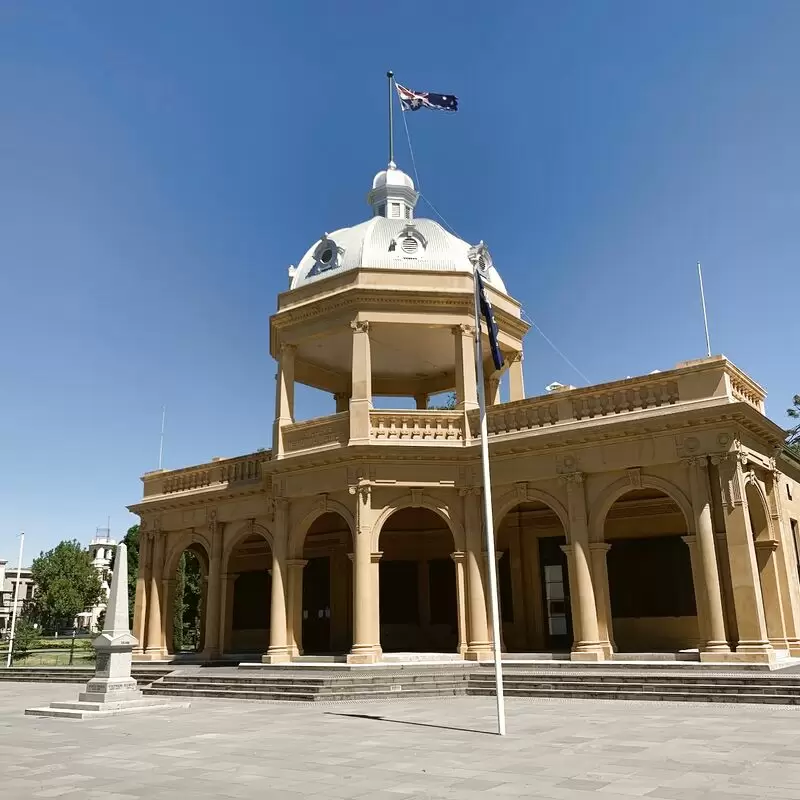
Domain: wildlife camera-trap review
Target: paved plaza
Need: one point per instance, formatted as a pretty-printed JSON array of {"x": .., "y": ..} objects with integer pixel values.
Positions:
[{"x": 401, "y": 749}]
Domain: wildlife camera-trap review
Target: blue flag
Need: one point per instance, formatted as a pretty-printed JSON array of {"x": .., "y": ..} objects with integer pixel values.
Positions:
[
  {"x": 488, "y": 315},
  {"x": 413, "y": 101}
]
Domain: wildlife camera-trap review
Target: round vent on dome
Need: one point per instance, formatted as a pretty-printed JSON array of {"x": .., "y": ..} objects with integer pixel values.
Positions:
[{"x": 409, "y": 245}]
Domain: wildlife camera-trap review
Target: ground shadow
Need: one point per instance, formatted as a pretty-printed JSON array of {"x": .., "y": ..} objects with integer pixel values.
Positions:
[{"x": 376, "y": 718}]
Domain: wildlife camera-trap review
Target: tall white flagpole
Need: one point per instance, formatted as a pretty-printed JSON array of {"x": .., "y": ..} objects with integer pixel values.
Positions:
[
  {"x": 488, "y": 521},
  {"x": 16, "y": 600},
  {"x": 161, "y": 442},
  {"x": 705, "y": 316}
]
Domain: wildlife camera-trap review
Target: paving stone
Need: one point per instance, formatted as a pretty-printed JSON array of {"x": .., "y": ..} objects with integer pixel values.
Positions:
[{"x": 434, "y": 748}]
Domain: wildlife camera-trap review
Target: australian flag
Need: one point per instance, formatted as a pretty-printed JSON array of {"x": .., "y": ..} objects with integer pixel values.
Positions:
[
  {"x": 412, "y": 101},
  {"x": 491, "y": 325}
]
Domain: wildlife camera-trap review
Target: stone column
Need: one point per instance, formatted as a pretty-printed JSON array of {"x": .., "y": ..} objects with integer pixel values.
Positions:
[
  {"x": 516, "y": 383},
  {"x": 466, "y": 380},
  {"x": 342, "y": 400},
  {"x": 366, "y": 588},
  {"x": 787, "y": 562},
  {"x": 295, "y": 568},
  {"x": 167, "y": 613},
  {"x": 227, "y": 591},
  {"x": 498, "y": 554},
  {"x": 153, "y": 648},
  {"x": 700, "y": 594},
  {"x": 461, "y": 600},
  {"x": 278, "y": 640},
  {"x": 492, "y": 388},
  {"x": 587, "y": 645},
  {"x": 203, "y": 609},
  {"x": 602, "y": 595},
  {"x": 361, "y": 398},
  {"x": 140, "y": 607},
  {"x": 421, "y": 401},
  {"x": 747, "y": 600},
  {"x": 767, "y": 560},
  {"x": 284, "y": 396},
  {"x": 479, "y": 645},
  {"x": 214, "y": 601},
  {"x": 707, "y": 587}
]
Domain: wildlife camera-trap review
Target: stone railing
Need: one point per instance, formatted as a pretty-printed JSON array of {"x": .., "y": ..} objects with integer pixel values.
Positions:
[
  {"x": 223, "y": 471},
  {"x": 640, "y": 395},
  {"x": 743, "y": 389},
  {"x": 521, "y": 415},
  {"x": 316, "y": 433},
  {"x": 417, "y": 426}
]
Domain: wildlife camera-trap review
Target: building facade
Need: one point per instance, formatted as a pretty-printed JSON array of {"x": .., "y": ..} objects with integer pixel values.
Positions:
[
  {"x": 101, "y": 550},
  {"x": 8, "y": 582},
  {"x": 655, "y": 513}
]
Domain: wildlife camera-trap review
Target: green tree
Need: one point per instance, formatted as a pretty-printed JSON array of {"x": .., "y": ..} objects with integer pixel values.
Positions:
[
  {"x": 793, "y": 434},
  {"x": 25, "y": 637},
  {"x": 187, "y": 611},
  {"x": 131, "y": 541},
  {"x": 66, "y": 584}
]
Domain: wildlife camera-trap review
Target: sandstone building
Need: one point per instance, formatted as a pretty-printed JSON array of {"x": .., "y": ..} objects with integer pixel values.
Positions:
[{"x": 656, "y": 513}]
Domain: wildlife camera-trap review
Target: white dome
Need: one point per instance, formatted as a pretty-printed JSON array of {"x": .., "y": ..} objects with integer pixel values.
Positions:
[
  {"x": 392, "y": 177},
  {"x": 381, "y": 243}
]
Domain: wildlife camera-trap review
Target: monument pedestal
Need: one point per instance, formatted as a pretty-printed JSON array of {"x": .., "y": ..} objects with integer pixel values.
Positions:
[{"x": 112, "y": 690}]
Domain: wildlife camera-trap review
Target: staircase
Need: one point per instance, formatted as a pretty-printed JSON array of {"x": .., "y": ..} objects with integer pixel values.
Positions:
[
  {"x": 287, "y": 684},
  {"x": 143, "y": 676},
  {"x": 628, "y": 684}
]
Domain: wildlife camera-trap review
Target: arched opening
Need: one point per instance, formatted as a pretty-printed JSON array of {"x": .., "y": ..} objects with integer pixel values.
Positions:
[
  {"x": 766, "y": 551},
  {"x": 327, "y": 596},
  {"x": 653, "y": 606},
  {"x": 533, "y": 580},
  {"x": 248, "y": 594},
  {"x": 187, "y": 602},
  {"x": 417, "y": 583}
]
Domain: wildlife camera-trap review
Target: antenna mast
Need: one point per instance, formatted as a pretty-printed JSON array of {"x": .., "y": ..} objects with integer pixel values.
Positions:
[
  {"x": 705, "y": 316},
  {"x": 161, "y": 443}
]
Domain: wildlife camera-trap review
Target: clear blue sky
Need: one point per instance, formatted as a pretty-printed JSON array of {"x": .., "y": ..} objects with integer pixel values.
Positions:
[{"x": 162, "y": 163}]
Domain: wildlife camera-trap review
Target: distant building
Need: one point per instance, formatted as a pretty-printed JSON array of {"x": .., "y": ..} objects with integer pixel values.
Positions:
[
  {"x": 8, "y": 583},
  {"x": 101, "y": 550}
]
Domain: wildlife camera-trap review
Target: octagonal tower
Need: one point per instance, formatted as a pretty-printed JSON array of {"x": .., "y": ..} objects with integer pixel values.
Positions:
[{"x": 386, "y": 308}]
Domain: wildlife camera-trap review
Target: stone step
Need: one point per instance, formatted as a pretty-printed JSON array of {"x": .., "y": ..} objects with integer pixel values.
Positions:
[
  {"x": 373, "y": 694},
  {"x": 674, "y": 680},
  {"x": 320, "y": 691},
  {"x": 654, "y": 686},
  {"x": 666, "y": 695},
  {"x": 312, "y": 683}
]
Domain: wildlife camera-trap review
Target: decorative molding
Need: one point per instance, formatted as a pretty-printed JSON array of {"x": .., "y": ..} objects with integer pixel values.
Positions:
[
  {"x": 416, "y": 497},
  {"x": 567, "y": 463},
  {"x": 360, "y": 326},
  {"x": 635, "y": 477},
  {"x": 571, "y": 479},
  {"x": 522, "y": 491}
]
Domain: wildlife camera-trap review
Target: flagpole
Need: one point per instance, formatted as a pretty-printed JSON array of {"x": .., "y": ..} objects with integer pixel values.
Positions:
[
  {"x": 161, "y": 440},
  {"x": 390, "y": 78},
  {"x": 705, "y": 316},
  {"x": 16, "y": 601},
  {"x": 488, "y": 521}
]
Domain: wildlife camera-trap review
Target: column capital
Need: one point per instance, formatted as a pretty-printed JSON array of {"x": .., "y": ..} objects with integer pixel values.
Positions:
[
  {"x": 360, "y": 326},
  {"x": 297, "y": 563},
  {"x": 700, "y": 461},
  {"x": 288, "y": 349},
  {"x": 572, "y": 478},
  {"x": 458, "y": 556},
  {"x": 597, "y": 546},
  {"x": 463, "y": 330},
  {"x": 766, "y": 545},
  {"x": 690, "y": 539},
  {"x": 498, "y": 554},
  {"x": 376, "y": 557}
]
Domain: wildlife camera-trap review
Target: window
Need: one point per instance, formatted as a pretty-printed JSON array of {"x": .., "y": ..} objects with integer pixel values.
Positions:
[
  {"x": 395, "y": 208},
  {"x": 789, "y": 490},
  {"x": 382, "y": 210}
]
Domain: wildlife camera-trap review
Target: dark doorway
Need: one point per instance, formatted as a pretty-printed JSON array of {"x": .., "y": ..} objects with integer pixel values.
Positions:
[
  {"x": 317, "y": 605},
  {"x": 557, "y": 612}
]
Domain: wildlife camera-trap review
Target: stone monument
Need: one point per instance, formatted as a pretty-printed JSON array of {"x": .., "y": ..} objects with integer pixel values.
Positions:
[{"x": 112, "y": 690}]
